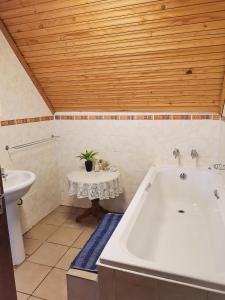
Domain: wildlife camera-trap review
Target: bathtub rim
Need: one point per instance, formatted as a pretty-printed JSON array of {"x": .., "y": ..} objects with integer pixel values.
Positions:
[{"x": 113, "y": 254}]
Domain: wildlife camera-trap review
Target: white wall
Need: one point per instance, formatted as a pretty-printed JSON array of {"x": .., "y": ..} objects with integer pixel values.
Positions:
[
  {"x": 222, "y": 146},
  {"x": 19, "y": 99},
  {"x": 133, "y": 146}
]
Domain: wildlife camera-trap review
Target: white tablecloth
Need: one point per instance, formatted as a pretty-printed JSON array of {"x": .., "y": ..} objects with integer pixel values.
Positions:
[{"x": 93, "y": 185}]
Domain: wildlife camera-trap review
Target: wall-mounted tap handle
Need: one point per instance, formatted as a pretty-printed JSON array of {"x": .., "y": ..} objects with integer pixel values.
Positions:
[
  {"x": 176, "y": 152},
  {"x": 194, "y": 153}
]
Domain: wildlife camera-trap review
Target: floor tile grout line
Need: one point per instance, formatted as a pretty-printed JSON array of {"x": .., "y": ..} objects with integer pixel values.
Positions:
[
  {"x": 45, "y": 265},
  {"x": 46, "y": 241},
  {"x": 55, "y": 224},
  {"x": 40, "y": 222},
  {"x": 24, "y": 294},
  {"x": 63, "y": 256},
  {"x": 29, "y": 255},
  {"x": 49, "y": 242},
  {"x": 73, "y": 241},
  {"x": 39, "y": 264},
  {"x": 60, "y": 226},
  {"x": 36, "y": 297},
  {"x": 48, "y": 236},
  {"x": 51, "y": 268}
]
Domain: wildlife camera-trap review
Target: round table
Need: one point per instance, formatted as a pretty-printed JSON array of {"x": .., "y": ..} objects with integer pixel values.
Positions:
[{"x": 95, "y": 186}]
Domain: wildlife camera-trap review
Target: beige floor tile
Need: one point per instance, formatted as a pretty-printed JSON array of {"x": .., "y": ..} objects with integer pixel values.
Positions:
[
  {"x": 48, "y": 254},
  {"x": 66, "y": 260},
  {"x": 85, "y": 235},
  {"x": 54, "y": 286},
  {"x": 71, "y": 222},
  {"x": 21, "y": 296},
  {"x": 41, "y": 231},
  {"x": 29, "y": 275},
  {"x": 56, "y": 218},
  {"x": 65, "y": 236},
  {"x": 34, "y": 298},
  {"x": 67, "y": 209},
  {"x": 31, "y": 245}
]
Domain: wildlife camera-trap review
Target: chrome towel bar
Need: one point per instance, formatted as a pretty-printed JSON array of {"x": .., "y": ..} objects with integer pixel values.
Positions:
[{"x": 31, "y": 143}]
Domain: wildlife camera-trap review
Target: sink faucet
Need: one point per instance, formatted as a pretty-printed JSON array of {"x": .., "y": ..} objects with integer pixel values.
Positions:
[
  {"x": 176, "y": 153},
  {"x": 194, "y": 154}
]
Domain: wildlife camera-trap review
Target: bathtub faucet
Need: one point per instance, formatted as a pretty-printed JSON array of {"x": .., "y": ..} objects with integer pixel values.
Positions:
[
  {"x": 194, "y": 154},
  {"x": 176, "y": 153}
]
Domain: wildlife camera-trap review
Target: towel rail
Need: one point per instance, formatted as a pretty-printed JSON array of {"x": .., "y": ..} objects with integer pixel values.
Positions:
[{"x": 31, "y": 143}]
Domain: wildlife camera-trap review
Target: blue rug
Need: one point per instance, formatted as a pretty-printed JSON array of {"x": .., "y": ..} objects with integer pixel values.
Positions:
[{"x": 89, "y": 254}]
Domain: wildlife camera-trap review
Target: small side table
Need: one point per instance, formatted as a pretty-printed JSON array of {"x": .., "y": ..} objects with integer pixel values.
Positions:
[{"x": 95, "y": 186}]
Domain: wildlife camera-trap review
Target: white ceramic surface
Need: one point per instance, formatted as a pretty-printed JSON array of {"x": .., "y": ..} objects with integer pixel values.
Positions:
[
  {"x": 16, "y": 185},
  {"x": 174, "y": 229}
]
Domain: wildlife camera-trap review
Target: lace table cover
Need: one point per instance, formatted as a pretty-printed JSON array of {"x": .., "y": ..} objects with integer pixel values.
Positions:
[{"x": 94, "y": 185}]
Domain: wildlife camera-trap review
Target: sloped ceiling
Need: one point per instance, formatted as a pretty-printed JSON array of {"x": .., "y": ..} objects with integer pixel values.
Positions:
[{"x": 123, "y": 55}]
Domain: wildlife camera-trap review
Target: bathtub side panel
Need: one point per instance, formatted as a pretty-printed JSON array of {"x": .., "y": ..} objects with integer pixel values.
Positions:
[{"x": 122, "y": 285}]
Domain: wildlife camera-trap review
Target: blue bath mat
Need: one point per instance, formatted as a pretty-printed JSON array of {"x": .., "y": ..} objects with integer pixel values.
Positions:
[{"x": 89, "y": 254}]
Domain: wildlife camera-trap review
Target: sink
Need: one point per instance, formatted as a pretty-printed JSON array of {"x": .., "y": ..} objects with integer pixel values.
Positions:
[{"x": 16, "y": 184}]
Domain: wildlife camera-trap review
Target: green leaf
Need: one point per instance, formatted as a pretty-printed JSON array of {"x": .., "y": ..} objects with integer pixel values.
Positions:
[{"x": 87, "y": 155}]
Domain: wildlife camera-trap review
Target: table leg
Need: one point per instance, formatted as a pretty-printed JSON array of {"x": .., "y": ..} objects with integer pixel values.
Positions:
[{"x": 95, "y": 210}]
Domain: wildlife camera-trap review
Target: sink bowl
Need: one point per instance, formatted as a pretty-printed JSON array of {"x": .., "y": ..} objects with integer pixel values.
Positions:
[{"x": 16, "y": 184}]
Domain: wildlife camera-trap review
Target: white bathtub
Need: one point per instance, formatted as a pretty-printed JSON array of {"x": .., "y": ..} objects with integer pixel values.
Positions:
[{"x": 174, "y": 229}]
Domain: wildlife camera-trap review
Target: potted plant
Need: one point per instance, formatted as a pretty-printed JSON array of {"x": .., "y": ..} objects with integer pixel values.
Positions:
[{"x": 88, "y": 156}]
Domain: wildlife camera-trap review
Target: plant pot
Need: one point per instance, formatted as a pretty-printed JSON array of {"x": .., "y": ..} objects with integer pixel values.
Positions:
[{"x": 88, "y": 165}]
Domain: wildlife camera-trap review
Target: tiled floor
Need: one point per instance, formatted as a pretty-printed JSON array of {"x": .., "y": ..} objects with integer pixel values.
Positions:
[{"x": 50, "y": 247}]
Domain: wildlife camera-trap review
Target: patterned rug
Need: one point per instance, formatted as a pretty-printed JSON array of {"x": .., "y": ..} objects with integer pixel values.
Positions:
[{"x": 89, "y": 254}]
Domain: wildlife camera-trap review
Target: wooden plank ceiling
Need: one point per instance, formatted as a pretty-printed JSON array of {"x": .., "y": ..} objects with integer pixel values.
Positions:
[{"x": 123, "y": 55}]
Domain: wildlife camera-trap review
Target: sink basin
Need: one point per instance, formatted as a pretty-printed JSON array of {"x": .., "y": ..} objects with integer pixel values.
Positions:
[{"x": 16, "y": 184}]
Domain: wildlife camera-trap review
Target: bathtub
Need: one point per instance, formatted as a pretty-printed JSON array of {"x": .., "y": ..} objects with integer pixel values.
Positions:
[{"x": 174, "y": 229}]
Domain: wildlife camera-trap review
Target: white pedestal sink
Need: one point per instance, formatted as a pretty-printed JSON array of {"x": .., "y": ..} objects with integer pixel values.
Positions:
[{"x": 16, "y": 184}]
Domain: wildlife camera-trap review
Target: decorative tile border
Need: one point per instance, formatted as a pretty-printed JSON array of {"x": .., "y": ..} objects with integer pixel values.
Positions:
[
  {"x": 26, "y": 120},
  {"x": 151, "y": 117},
  {"x": 141, "y": 117}
]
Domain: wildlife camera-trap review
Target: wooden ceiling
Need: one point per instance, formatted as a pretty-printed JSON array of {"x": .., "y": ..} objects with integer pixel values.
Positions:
[{"x": 123, "y": 55}]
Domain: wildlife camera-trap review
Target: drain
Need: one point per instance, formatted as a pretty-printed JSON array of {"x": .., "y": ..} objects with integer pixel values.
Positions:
[{"x": 181, "y": 211}]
